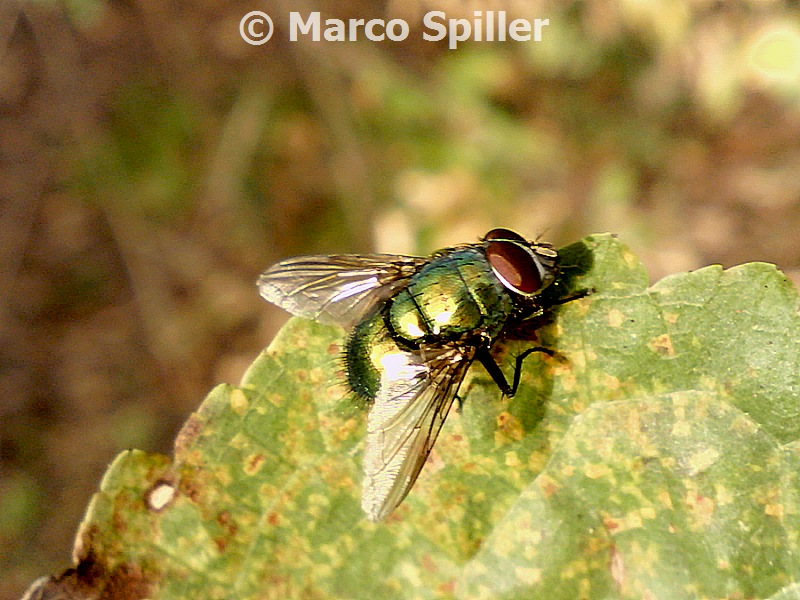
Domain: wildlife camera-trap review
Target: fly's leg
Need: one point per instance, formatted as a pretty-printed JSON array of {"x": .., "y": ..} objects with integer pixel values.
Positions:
[
  {"x": 491, "y": 366},
  {"x": 518, "y": 364},
  {"x": 527, "y": 328},
  {"x": 573, "y": 296}
]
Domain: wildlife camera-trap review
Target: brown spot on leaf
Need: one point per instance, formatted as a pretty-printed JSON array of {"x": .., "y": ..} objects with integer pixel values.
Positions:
[
  {"x": 227, "y": 522},
  {"x": 611, "y": 524},
  {"x": 221, "y": 543},
  {"x": 253, "y": 463},
  {"x": 448, "y": 588},
  {"x": 190, "y": 488},
  {"x": 119, "y": 520},
  {"x": 91, "y": 579},
  {"x": 662, "y": 345},
  {"x": 509, "y": 428},
  {"x": 188, "y": 433},
  {"x": 428, "y": 564}
]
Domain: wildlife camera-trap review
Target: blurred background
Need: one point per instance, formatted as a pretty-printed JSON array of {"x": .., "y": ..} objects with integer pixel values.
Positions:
[{"x": 152, "y": 164}]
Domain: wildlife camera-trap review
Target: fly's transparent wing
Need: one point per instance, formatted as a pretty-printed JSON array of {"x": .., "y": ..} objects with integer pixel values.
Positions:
[
  {"x": 336, "y": 289},
  {"x": 415, "y": 396}
]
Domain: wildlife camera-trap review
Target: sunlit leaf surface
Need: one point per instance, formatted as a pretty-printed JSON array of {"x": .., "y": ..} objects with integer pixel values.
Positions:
[{"x": 654, "y": 456}]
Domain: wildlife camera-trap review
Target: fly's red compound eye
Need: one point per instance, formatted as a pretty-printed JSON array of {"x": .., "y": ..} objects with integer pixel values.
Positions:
[
  {"x": 523, "y": 267},
  {"x": 515, "y": 265},
  {"x": 503, "y": 234}
]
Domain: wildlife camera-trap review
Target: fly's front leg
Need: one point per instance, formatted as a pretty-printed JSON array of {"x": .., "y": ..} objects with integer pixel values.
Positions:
[
  {"x": 527, "y": 328},
  {"x": 491, "y": 366},
  {"x": 573, "y": 296}
]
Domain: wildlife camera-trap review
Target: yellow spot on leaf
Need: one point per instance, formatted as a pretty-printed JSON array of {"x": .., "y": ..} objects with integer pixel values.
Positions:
[
  {"x": 528, "y": 575},
  {"x": 537, "y": 461},
  {"x": 239, "y": 402},
  {"x": 668, "y": 462},
  {"x": 700, "y": 461},
  {"x": 630, "y": 258},
  {"x": 648, "y": 512},
  {"x": 615, "y": 317},
  {"x": 547, "y": 484},
  {"x": 595, "y": 471},
  {"x": 723, "y": 494},
  {"x": 774, "y": 510},
  {"x": 681, "y": 429},
  {"x": 702, "y": 507},
  {"x": 611, "y": 382},
  {"x": 512, "y": 460},
  {"x": 743, "y": 425},
  {"x": 630, "y": 521}
]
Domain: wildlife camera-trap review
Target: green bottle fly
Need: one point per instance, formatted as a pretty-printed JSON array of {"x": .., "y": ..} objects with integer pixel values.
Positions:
[{"x": 417, "y": 324}]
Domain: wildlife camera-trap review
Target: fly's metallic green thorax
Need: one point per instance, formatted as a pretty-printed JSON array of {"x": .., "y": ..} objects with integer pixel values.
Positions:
[
  {"x": 417, "y": 324},
  {"x": 453, "y": 297}
]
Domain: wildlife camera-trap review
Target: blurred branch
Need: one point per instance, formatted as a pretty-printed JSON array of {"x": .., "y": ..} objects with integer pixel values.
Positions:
[
  {"x": 324, "y": 73},
  {"x": 241, "y": 134},
  {"x": 10, "y": 13}
]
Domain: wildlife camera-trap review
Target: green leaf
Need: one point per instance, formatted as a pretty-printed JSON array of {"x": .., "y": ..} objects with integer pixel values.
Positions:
[{"x": 656, "y": 455}]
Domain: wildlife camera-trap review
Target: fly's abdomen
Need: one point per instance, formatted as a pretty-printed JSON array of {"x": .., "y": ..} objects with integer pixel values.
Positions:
[
  {"x": 365, "y": 354},
  {"x": 455, "y": 296}
]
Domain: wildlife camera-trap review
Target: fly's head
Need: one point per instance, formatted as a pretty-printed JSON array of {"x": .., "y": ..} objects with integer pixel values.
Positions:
[{"x": 525, "y": 268}]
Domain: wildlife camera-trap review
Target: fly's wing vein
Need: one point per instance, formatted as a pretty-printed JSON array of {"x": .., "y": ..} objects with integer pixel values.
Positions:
[
  {"x": 336, "y": 289},
  {"x": 404, "y": 422}
]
